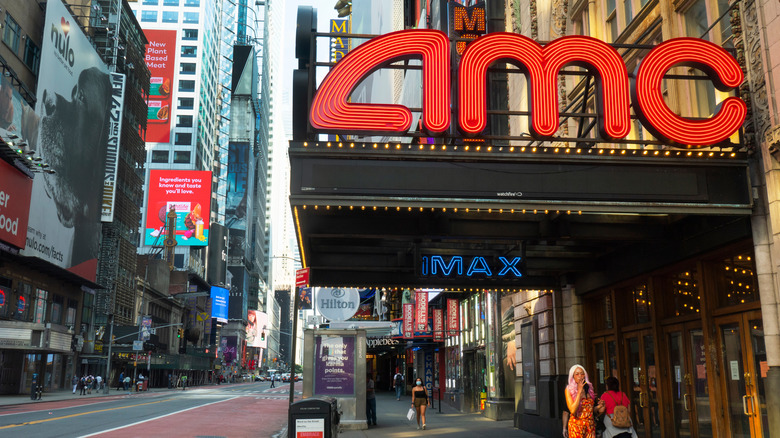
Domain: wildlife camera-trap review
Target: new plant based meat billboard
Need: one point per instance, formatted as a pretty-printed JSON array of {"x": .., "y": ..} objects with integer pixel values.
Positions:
[
  {"x": 15, "y": 189},
  {"x": 188, "y": 192},
  {"x": 160, "y": 59},
  {"x": 73, "y": 104}
]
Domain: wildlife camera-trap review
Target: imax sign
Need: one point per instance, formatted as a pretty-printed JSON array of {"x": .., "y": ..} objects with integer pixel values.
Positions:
[{"x": 470, "y": 267}]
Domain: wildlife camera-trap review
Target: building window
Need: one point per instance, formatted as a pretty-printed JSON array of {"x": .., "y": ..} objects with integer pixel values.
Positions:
[
  {"x": 190, "y": 34},
  {"x": 86, "y": 310},
  {"x": 5, "y": 296},
  {"x": 184, "y": 121},
  {"x": 187, "y": 68},
  {"x": 41, "y": 298},
  {"x": 57, "y": 304},
  {"x": 183, "y": 138},
  {"x": 160, "y": 156},
  {"x": 192, "y": 3},
  {"x": 628, "y": 11},
  {"x": 32, "y": 56},
  {"x": 170, "y": 17},
  {"x": 12, "y": 33},
  {"x": 191, "y": 17},
  {"x": 736, "y": 280},
  {"x": 24, "y": 301},
  {"x": 150, "y": 2},
  {"x": 189, "y": 51},
  {"x": 182, "y": 157},
  {"x": 612, "y": 24},
  {"x": 70, "y": 316},
  {"x": 186, "y": 85},
  {"x": 186, "y": 103},
  {"x": 680, "y": 293},
  {"x": 170, "y": 2},
  {"x": 149, "y": 16},
  {"x": 640, "y": 303}
]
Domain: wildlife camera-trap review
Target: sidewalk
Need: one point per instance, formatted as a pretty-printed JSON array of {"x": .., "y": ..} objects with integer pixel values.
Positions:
[
  {"x": 391, "y": 422},
  {"x": 67, "y": 394}
]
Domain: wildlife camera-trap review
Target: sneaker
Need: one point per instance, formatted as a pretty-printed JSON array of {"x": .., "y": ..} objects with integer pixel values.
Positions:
[
  {"x": 418, "y": 427},
  {"x": 423, "y": 427}
]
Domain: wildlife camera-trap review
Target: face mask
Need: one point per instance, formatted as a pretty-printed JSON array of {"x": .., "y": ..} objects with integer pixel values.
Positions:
[{"x": 419, "y": 383}]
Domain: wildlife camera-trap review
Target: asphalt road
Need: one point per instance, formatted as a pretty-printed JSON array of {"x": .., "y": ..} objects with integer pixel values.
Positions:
[{"x": 250, "y": 410}]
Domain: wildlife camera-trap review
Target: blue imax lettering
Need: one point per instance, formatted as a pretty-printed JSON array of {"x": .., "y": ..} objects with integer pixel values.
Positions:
[{"x": 436, "y": 265}]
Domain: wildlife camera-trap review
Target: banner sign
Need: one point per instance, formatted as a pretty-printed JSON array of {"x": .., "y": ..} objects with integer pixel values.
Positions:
[
  {"x": 146, "y": 328},
  {"x": 305, "y": 298},
  {"x": 256, "y": 329},
  {"x": 339, "y": 46},
  {"x": 452, "y": 317},
  {"x": 161, "y": 60},
  {"x": 15, "y": 190},
  {"x": 219, "y": 303},
  {"x": 302, "y": 277},
  {"x": 112, "y": 152},
  {"x": 334, "y": 365},
  {"x": 438, "y": 324},
  {"x": 408, "y": 326},
  {"x": 421, "y": 305}
]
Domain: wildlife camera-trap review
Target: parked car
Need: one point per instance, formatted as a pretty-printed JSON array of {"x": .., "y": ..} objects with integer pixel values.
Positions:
[{"x": 259, "y": 378}]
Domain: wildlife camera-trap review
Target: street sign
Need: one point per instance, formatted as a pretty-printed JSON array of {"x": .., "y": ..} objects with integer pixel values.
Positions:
[
  {"x": 138, "y": 345},
  {"x": 302, "y": 277}
]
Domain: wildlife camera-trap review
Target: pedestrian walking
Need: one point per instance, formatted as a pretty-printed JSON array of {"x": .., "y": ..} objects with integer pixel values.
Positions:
[
  {"x": 83, "y": 385},
  {"x": 420, "y": 402},
  {"x": 126, "y": 382},
  {"x": 75, "y": 382},
  {"x": 618, "y": 408},
  {"x": 273, "y": 380},
  {"x": 99, "y": 382},
  {"x": 581, "y": 401},
  {"x": 370, "y": 400},
  {"x": 398, "y": 383},
  {"x": 90, "y": 381},
  {"x": 184, "y": 383},
  {"x": 170, "y": 380},
  {"x": 121, "y": 381}
]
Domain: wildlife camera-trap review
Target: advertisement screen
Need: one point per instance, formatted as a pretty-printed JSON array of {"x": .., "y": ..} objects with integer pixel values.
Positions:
[
  {"x": 160, "y": 59},
  {"x": 219, "y": 303},
  {"x": 114, "y": 139},
  {"x": 73, "y": 108},
  {"x": 256, "y": 329},
  {"x": 334, "y": 366},
  {"x": 188, "y": 192},
  {"x": 15, "y": 190}
]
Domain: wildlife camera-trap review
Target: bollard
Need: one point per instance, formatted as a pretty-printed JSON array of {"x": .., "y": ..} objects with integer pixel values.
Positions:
[{"x": 439, "y": 390}]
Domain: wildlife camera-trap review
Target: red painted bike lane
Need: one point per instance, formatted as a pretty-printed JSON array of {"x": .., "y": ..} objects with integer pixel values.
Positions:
[{"x": 244, "y": 416}]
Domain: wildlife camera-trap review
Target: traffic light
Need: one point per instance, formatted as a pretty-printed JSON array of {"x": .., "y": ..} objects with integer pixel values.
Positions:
[
  {"x": 262, "y": 335},
  {"x": 180, "y": 332}
]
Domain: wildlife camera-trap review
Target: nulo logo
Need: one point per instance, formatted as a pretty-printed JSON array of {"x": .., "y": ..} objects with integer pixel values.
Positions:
[
  {"x": 61, "y": 41},
  {"x": 332, "y": 112}
]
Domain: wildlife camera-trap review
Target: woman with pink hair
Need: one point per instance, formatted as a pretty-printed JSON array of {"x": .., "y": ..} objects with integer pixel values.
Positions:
[{"x": 581, "y": 401}]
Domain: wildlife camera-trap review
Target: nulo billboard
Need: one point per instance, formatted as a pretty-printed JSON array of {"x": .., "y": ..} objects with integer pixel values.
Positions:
[{"x": 331, "y": 110}]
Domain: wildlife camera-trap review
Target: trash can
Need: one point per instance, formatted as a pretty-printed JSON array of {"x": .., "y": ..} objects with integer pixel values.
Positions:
[
  {"x": 142, "y": 385},
  {"x": 315, "y": 416}
]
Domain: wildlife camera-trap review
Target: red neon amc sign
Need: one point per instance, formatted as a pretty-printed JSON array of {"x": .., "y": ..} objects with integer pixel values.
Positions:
[{"x": 332, "y": 112}]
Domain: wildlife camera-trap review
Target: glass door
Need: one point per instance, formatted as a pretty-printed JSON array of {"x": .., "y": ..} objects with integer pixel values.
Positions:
[
  {"x": 743, "y": 361},
  {"x": 688, "y": 380},
  {"x": 605, "y": 365},
  {"x": 641, "y": 383}
]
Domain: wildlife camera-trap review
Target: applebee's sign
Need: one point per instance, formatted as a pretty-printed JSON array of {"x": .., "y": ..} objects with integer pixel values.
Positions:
[{"x": 331, "y": 110}]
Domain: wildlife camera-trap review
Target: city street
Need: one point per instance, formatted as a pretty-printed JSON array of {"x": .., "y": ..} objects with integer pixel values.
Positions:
[{"x": 224, "y": 410}]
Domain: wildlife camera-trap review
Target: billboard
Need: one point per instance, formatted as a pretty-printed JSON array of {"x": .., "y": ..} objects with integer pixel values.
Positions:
[
  {"x": 334, "y": 365},
  {"x": 217, "y": 258},
  {"x": 161, "y": 60},
  {"x": 219, "y": 303},
  {"x": 73, "y": 106},
  {"x": 188, "y": 192},
  {"x": 15, "y": 190},
  {"x": 114, "y": 138},
  {"x": 256, "y": 329}
]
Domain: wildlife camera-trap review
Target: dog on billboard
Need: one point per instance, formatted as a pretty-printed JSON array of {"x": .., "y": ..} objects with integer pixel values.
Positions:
[{"x": 73, "y": 140}]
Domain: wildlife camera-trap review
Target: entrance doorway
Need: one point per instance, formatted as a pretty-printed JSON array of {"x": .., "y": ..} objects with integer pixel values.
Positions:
[
  {"x": 688, "y": 381},
  {"x": 641, "y": 383},
  {"x": 474, "y": 379},
  {"x": 743, "y": 363}
]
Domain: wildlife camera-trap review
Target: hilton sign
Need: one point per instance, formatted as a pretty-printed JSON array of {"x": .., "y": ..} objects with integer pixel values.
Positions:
[{"x": 331, "y": 110}]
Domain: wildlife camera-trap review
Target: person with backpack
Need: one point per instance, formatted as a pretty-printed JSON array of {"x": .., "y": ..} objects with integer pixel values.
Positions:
[
  {"x": 398, "y": 384},
  {"x": 618, "y": 413}
]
